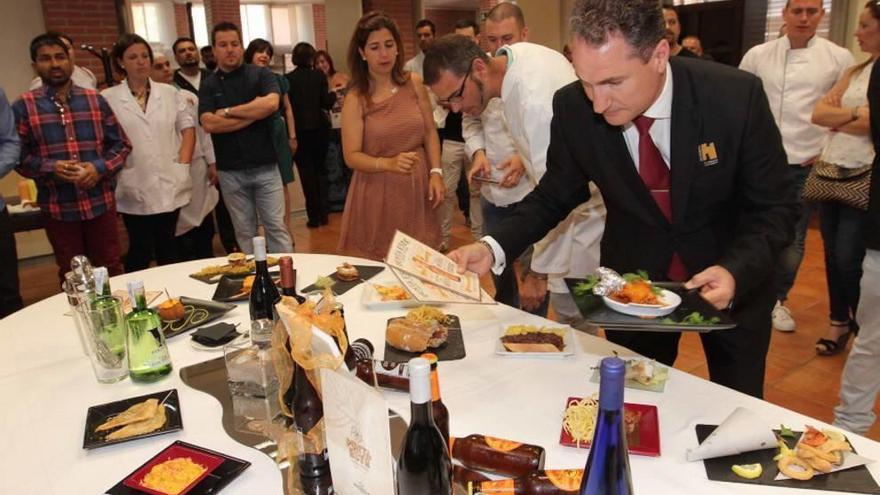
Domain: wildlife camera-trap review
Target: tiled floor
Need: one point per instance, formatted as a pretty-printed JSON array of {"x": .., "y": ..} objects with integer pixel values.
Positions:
[{"x": 796, "y": 377}]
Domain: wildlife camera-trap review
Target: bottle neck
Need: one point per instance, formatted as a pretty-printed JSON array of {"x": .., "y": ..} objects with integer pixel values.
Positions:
[
  {"x": 105, "y": 290},
  {"x": 435, "y": 384},
  {"x": 421, "y": 414}
]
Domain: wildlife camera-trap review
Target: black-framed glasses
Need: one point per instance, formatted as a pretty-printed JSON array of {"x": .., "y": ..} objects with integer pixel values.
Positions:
[{"x": 456, "y": 97}]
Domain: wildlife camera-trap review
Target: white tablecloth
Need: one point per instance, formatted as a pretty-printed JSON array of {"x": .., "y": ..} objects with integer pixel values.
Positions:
[{"x": 46, "y": 385}]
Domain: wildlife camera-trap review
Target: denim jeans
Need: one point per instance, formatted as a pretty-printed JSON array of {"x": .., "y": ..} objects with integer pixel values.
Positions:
[
  {"x": 252, "y": 194},
  {"x": 860, "y": 381},
  {"x": 790, "y": 258},
  {"x": 842, "y": 228},
  {"x": 506, "y": 285}
]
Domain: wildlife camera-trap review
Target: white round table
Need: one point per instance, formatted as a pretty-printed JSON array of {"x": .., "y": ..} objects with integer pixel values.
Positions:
[{"x": 46, "y": 385}]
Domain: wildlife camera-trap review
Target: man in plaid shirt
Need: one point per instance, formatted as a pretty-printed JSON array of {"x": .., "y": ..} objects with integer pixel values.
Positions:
[{"x": 72, "y": 146}]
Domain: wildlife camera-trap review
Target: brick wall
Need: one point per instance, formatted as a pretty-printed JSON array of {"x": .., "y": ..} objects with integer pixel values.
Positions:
[
  {"x": 89, "y": 22},
  {"x": 320, "y": 22},
  {"x": 217, "y": 11},
  {"x": 181, "y": 20},
  {"x": 445, "y": 19},
  {"x": 401, "y": 12}
]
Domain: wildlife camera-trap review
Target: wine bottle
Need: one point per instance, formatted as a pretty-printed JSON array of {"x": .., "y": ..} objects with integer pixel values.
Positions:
[
  {"x": 288, "y": 279},
  {"x": 424, "y": 467},
  {"x": 553, "y": 482},
  {"x": 607, "y": 469},
  {"x": 497, "y": 455},
  {"x": 113, "y": 328},
  {"x": 148, "y": 358},
  {"x": 441, "y": 413},
  {"x": 308, "y": 411},
  {"x": 264, "y": 294}
]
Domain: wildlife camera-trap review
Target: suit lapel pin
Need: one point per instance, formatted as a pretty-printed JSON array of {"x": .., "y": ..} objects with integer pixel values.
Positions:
[{"x": 708, "y": 154}]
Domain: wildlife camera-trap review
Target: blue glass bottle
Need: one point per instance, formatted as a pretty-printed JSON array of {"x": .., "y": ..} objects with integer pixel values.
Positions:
[{"x": 607, "y": 471}]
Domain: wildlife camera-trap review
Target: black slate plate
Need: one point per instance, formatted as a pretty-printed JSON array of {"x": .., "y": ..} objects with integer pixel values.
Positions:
[
  {"x": 855, "y": 480},
  {"x": 229, "y": 288},
  {"x": 450, "y": 351},
  {"x": 213, "y": 483},
  {"x": 342, "y": 286},
  {"x": 97, "y": 415},
  {"x": 215, "y": 310},
  {"x": 594, "y": 310}
]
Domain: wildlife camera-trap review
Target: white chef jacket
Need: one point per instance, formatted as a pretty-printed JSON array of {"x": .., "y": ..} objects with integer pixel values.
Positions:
[
  {"x": 81, "y": 77},
  {"x": 416, "y": 65},
  {"x": 204, "y": 196},
  {"x": 794, "y": 80},
  {"x": 152, "y": 181},
  {"x": 534, "y": 74}
]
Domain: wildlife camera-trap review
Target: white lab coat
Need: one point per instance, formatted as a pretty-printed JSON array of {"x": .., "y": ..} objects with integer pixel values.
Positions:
[
  {"x": 152, "y": 181},
  {"x": 204, "y": 196}
]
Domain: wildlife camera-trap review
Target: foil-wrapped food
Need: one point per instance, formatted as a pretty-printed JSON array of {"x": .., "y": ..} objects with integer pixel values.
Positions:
[{"x": 609, "y": 282}]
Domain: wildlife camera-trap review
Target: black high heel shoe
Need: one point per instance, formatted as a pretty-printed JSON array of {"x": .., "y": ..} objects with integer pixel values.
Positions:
[{"x": 828, "y": 347}]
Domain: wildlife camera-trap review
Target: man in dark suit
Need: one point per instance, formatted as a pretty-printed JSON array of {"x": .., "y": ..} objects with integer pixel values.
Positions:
[
  {"x": 310, "y": 99},
  {"x": 692, "y": 169}
]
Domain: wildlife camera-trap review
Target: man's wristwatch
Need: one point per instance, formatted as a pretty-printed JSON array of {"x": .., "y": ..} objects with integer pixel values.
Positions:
[
  {"x": 854, "y": 116},
  {"x": 438, "y": 171},
  {"x": 226, "y": 112}
]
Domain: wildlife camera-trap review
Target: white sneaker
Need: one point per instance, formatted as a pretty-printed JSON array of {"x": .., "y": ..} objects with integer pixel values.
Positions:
[{"x": 782, "y": 319}]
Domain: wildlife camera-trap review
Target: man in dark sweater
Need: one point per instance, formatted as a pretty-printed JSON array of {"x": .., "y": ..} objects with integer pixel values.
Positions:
[
  {"x": 860, "y": 381},
  {"x": 236, "y": 103}
]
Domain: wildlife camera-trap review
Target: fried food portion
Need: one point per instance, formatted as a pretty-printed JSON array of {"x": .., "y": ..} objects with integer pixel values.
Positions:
[
  {"x": 391, "y": 292},
  {"x": 173, "y": 475},
  {"x": 636, "y": 292},
  {"x": 138, "y": 412},
  {"x": 148, "y": 425}
]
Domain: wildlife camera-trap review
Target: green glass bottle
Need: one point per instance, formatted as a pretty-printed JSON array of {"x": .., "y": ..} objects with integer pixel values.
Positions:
[
  {"x": 113, "y": 328},
  {"x": 148, "y": 358}
]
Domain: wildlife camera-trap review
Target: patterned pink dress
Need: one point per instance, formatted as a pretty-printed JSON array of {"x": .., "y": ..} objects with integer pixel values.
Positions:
[{"x": 380, "y": 203}]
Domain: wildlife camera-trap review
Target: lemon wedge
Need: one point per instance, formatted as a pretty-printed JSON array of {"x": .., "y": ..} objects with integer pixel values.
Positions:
[{"x": 747, "y": 471}]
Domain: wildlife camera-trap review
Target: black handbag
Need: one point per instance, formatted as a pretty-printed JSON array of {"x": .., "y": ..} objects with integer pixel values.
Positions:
[{"x": 828, "y": 182}]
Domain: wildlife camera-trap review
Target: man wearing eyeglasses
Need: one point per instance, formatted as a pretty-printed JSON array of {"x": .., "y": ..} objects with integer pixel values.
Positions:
[
  {"x": 796, "y": 70},
  {"x": 73, "y": 147}
]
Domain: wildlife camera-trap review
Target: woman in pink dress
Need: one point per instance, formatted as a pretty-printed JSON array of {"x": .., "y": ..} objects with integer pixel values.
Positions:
[{"x": 390, "y": 141}]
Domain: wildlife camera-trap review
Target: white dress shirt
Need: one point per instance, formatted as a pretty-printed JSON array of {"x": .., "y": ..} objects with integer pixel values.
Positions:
[
  {"x": 661, "y": 129},
  {"x": 204, "y": 196},
  {"x": 416, "y": 65},
  {"x": 81, "y": 77},
  {"x": 794, "y": 80},
  {"x": 489, "y": 132},
  {"x": 152, "y": 181}
]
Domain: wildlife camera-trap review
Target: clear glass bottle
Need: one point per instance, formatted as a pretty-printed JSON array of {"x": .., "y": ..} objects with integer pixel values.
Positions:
[
  {"x": 114, "y": 333},
  {"x": 148, "y": 357}
]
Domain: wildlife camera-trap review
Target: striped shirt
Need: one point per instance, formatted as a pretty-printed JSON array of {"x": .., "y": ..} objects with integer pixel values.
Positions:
[{"x": 82, "y": 129}]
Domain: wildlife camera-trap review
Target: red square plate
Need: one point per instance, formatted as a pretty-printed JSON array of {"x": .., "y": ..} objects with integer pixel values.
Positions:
[
  {"x": 211, "y": 462},
  {"x": 645, "y": 440}
]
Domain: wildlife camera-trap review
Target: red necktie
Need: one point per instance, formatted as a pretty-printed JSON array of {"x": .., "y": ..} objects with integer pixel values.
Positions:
[{"x": 655, "y": 175}]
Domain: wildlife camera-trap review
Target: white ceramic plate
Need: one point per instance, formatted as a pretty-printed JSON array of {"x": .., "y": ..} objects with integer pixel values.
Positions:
[
  {"x": 568, "y": 339},
  {"x": 671, "y": 301},
  {"x": 371, "y": 298}
]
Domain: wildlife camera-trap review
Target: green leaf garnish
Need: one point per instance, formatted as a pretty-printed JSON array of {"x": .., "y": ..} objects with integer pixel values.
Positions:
[
  {"x": 586, "y": 287},
  {"x": 785, "y": 431}
]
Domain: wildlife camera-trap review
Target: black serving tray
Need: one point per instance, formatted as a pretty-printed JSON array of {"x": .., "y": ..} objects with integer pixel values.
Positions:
[
  {"x": 213, "y": 483},
  {"x": 97, "y": 415},
  {"x": 594, "y": 310},
  {"x": 229, "y": 288},
  {"x": 450, "y": 351},
  {"x": 855, "y": 480},
  {"x": 215, "y": 310},
  {"x": 343, "y": 286}
]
